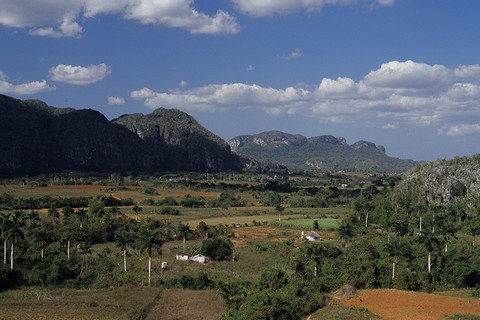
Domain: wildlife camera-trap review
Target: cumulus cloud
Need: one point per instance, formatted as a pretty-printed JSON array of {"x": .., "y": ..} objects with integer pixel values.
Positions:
[
  {"x": 395, "y": 93},
  {"x": 262, "y": 8},
  {"x": 68, "y": 29},
  {"x": 58, "y": 19},
  {"x": 115, "y": 101},
  {"x": 79, "y": 75},
  {"x": 25, "y": 88},
  {"x": 460, "y": 130}
]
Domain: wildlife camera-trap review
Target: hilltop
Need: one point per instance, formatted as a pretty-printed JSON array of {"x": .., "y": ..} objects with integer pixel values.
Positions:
[{"x": 325, "y": 152}]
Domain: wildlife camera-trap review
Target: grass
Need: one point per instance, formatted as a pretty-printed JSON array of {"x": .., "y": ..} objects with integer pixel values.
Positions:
[
  {"x": 325, "y": 223},
  {"x": 336, "y": 311},
  {"x": 113, "y": 303},
  {"x": 41, "y": 303}
]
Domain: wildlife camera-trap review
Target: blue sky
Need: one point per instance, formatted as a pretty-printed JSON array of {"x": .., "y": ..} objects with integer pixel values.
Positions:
[{"x": 404, "y": 74}]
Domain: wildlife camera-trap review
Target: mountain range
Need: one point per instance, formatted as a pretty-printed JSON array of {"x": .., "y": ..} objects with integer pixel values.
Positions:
[
  {"x": 327, "y": 153},
  {"x": 36, "y": 139}
]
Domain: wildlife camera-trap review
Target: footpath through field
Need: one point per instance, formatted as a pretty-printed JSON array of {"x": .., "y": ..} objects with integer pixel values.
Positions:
[{"x": 406, "y": 305}]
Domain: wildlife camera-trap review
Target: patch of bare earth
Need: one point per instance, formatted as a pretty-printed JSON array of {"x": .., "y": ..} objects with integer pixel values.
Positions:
[
  {"x": 180, "y": 304},
  {"x": 406, "y": 305}
]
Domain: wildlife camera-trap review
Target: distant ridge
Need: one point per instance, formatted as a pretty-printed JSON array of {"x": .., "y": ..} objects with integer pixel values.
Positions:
[
  {"x": 36, "y": 138},
  {"x": 325, "y": 152}
]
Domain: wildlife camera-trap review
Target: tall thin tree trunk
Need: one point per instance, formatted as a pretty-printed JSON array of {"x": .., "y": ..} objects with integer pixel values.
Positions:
[
  {"x": 11, "y": 257},
  {"x": 429, "y": 262},
  {"x": 149, "y": 269},
  {"x": 446, "y": 246},
  {"x": 393, "y": 270},
  {"x": 420, "y": 225},
  {"x": 183, "y": 245},
  {"x": 68, "y": 249},
  {"x": 366, "y": 220},
  {"x": 41, "y": 253},
  {"x": 125, "y": 260},
  {"x": 5, "y": 251},
  {"x": 316, "y": 270}
]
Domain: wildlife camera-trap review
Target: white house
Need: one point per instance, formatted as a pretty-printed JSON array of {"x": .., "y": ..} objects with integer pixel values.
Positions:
[
  {"x": 200, "y": 258},
  {"x": 182, "y": 257},
  {"x": 310, "y": 236}
]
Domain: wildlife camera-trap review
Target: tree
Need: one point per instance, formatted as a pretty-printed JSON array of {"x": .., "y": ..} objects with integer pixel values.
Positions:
[
  {"x": 184, "y": 231},
  {"x": 446, "y": 229},
  {"x": 82, "y": 216},
  {"x": 319, "y": 251},
  {"x": 4, "y": 227},
  {"x": 14, "y": 231},
  {"x": 346, "y": 232},
  {"x": 53, "y": 213},
  {"x": 217, "y": 248},
  {"x": 43, "y": 235},
  {"x": 394, "y": 250},
  {"x": 474, "y": 228},
  {"x": 84, "y": 250},
  {"x": 123, "y": 239},
  {"x": 429, "y": 241},
  {"x": 149, "y": 239},
  {"x": 315, "y": 226},
  {"x": 137, "y": 209}
]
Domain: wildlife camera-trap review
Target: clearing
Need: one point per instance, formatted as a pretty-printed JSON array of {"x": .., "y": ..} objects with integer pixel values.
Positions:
[{"x": 406, "y": 305}]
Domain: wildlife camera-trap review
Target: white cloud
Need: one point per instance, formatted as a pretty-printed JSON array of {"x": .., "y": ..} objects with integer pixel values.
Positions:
[
  {"x": 250, "y": 68},
  {"x": 25, "y": 88},
  {"x": 68, "y": 29},
  {"x": 295, "y": 54},
  {"x": 262, "y": 8},
  {"x": 79, "y": 75},
  {"x": 460, "y": 130},
  {"x": 115, "y": 101},
  {"x": 394, "y": 94},
  {"x": 183, "y": 83},
  {"x": 54, "y": 18}
]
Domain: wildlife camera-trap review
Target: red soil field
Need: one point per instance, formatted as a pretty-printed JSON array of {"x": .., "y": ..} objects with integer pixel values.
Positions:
[{"x": 406, "y": 305}]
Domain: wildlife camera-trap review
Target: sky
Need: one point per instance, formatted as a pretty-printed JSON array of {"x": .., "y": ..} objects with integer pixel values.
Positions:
[{"x": 404, "y": 74}]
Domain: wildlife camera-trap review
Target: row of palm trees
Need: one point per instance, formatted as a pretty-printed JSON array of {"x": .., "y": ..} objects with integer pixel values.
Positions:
[{"x": 145, "y": 236}]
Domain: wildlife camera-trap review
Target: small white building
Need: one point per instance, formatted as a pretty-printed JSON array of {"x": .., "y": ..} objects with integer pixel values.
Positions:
[
  {"x": 182, "y": 257},
  {"x": 310, "y": 236},
  {"x": 200, "y": 258}
]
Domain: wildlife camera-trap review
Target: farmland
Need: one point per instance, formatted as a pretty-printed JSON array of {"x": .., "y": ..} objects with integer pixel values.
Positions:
[{"x": 93, "y": 257}]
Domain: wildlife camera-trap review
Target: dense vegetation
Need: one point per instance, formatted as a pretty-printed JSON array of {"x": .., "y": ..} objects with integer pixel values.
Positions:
[{"x": 415, "y": 232}]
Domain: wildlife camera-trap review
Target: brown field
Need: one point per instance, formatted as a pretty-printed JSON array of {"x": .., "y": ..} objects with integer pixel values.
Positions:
[
  {"x": 405, "y": 305},
  {"x": 115, "y": 303},
  {"x": 178, "y": 304}
]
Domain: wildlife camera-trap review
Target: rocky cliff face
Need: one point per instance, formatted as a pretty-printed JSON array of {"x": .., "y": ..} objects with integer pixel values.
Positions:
[
  {"x": 36, "y": 138},
  {"x": 442, "y": 181},
  {"x": 323, "y": 152}
]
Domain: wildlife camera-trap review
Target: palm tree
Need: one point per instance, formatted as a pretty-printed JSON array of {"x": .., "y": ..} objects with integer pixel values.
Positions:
[
  {"x": 4, "y": 227},
  {"x": 43, "y": 235},
  {"x": 393, "y": 249},
  {"x": 14, "y": 232},
  {"x": 430, "y": 241},
  {"x": 346, "y": 232},
  {"x": 315, "y": 252},
  {"x": 474, "y": 228},
  {"x": 123, "y": 239},
  {"x": 183, "y": 231},
  {"x": 82, "y": 216},
  {"x": 149, "y": 239},
  {"x": 84, "y": 250},
  {"x": 446, "y": 229}
]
